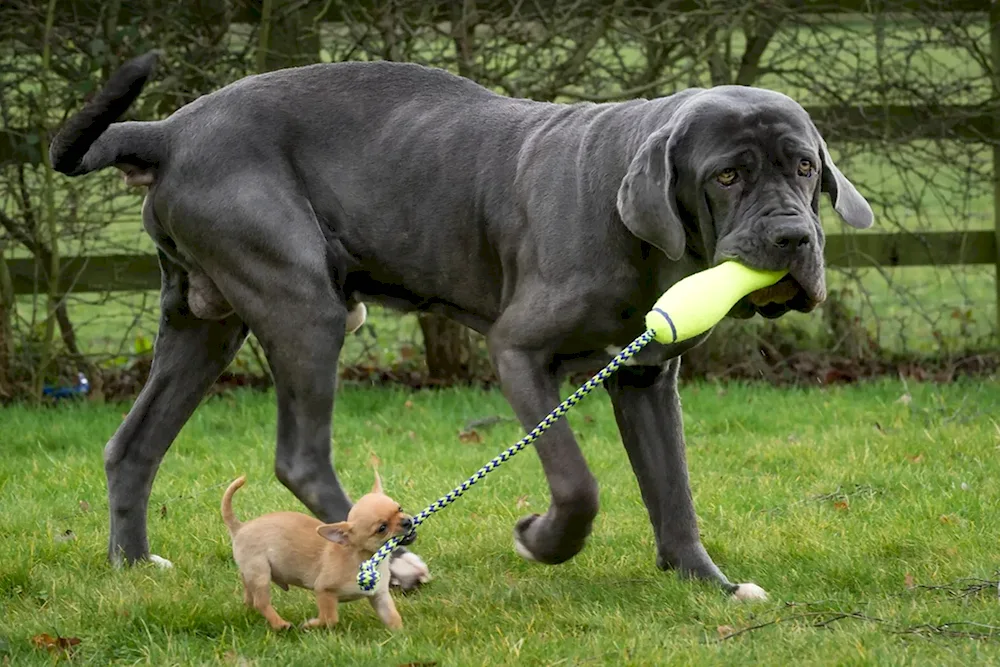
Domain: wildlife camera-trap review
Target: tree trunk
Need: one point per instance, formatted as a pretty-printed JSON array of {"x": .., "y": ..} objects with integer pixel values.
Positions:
[
  {"x": 291, "y": 36},
  {"x": 6, "y": 331},
  {"x": 447, "y": 348}
]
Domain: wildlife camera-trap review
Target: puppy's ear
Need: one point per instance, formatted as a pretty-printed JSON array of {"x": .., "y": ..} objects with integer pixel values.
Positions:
[
  {"x": 338, "y": 533},
  {"x": 377, "y": 487},
  {"x": 847, "y": 201},
  {"x": 647, "y": 201}
]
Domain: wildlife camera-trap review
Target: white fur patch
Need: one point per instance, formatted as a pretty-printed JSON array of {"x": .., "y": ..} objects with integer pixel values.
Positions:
[
  {"x": 523, "y": 551},
  {"x": 160, "y": 561},
  {"x": 749, "y": 592},
  {"x": 357, "y": 317},
  {"x": 408, "y": 569}
]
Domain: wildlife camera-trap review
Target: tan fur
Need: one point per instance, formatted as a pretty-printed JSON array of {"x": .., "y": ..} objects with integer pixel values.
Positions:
[{"x": 294, "y": 549}]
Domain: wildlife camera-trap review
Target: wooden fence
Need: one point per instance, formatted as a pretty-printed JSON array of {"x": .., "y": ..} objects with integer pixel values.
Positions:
[{"x": 974, "y": 125}]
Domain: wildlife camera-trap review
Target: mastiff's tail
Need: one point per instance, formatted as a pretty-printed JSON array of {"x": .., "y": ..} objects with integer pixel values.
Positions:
[{"x": 91, "y": 140}]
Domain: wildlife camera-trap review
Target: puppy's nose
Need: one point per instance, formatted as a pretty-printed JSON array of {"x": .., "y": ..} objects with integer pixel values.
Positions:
[{"x": 406, "y": 523}]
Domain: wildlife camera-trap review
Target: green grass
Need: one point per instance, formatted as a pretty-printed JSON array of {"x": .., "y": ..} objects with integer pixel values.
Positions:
[{"x": 920, "y": 502}]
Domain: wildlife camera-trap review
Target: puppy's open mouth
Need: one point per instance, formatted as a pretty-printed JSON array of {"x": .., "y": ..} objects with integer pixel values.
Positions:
[
  {"x": 409, "y": 538},
  {"x": 785, "y": 295}
]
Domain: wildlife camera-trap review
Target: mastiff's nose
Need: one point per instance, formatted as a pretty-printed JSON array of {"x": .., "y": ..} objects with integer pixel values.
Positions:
[{"x": 790, "y": 237}]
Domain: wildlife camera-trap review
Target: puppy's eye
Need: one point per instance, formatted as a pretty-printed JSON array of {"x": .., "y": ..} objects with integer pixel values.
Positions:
[
  {"x": 727, "y": 176},
  {"x": 382, "y": 528},
  {"x": 806, "y": 168}
]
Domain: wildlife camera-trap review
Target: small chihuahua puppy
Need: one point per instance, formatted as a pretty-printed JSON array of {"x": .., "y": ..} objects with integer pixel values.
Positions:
[{"x": 294, "y": 549}]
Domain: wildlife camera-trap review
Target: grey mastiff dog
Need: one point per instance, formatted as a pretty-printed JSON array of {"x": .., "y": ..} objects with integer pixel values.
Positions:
[{"x": 280, "y": 203}]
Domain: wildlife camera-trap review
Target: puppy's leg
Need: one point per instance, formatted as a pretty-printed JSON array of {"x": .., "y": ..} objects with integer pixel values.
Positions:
[
  {"x": 188, "y": 356},
  {"x": 386, "y": 609},
  {"x": 257, "y": 579},
  {"x": 327, "y": 604},
  {"x": 648, "y": 410},
  {"x": 247, "y": 593},
  {"x": 532, "y": 391}
]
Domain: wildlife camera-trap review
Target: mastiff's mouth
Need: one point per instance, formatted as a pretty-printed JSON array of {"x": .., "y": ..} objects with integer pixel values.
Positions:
[{"x": 787, "y": 294}]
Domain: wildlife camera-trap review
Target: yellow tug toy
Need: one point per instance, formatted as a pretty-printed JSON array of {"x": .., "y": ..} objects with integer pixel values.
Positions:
[{"x": 699, "y": 302}]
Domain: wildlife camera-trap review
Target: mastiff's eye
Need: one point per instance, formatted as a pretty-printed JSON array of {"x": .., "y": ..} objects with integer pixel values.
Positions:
[
  {"x": 727, "y": 176},
  {"x": 806, "y": 168}
]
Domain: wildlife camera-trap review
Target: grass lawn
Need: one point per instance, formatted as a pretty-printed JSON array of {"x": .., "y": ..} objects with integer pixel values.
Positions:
[{"x": 837, "y": 501}]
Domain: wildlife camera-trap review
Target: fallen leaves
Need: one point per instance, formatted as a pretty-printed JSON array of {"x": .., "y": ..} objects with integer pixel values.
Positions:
[
  {"x": 84, "y": 506},
  {"x": 909, "y": 581},
  {"x": 471, "y": 436},
  {"x": 842, "y": 505},
  {"x": 522, "y": 502},
  {"x": 725, "y": 631},
  {"x": 915, "y": 458},
  {"x": 55, "y": 644}
]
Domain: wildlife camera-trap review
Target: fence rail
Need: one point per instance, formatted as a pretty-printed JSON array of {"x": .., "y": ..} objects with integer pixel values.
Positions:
[{"x": 138, "y": 272}]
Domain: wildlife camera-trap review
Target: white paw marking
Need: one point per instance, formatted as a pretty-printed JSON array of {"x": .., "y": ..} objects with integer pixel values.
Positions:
[
  {"x": 523, "y": 551},
  {"x": 749, "y": 592},
  {"x": 160, "y": 562},
  {"x": 408, "y": 569},
  {"x": 357, "y": 317},
  {"x": 614, "y": 350}
]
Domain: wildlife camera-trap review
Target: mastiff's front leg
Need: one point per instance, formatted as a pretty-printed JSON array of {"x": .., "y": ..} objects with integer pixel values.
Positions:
[{"x": 648, "y": 410}]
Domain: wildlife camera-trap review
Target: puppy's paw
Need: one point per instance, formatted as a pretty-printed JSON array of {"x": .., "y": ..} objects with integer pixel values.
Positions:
[
  {"x": 313, "y": 623},
  {"x": 749, "y": 593},
  {"x": 408, "y": 570},
  {"x": 160, "y": 562}
]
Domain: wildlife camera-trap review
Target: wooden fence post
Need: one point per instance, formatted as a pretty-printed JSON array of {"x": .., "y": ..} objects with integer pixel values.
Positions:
[{"x": 994, "y": 18}]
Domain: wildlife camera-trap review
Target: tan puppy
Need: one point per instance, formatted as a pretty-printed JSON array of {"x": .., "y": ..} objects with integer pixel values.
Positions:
[{"x": 294, "y": 549}]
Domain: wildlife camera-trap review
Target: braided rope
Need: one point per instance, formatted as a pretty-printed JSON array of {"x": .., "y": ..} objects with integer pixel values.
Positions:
[{"x": 368, "y": 576}]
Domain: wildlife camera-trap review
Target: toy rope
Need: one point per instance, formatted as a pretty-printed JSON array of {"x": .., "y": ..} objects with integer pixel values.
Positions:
[{"x": 368, "y": 577}]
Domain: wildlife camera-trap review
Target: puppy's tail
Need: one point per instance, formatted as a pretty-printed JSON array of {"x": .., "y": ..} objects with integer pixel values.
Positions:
[
  {"x": 91, "y": 140},
  {"x": 232, "y": 523}
]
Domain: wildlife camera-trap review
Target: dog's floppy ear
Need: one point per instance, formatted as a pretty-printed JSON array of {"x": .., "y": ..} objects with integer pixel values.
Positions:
[
  {"x": 847, "y": 201},
  {"x": 377, "y": 487},
  {"x": 338, "y": 533},
  {"x": 647, "y": 202}
]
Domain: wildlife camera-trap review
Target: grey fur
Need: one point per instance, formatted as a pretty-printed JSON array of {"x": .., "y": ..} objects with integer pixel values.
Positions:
[{"x": 280, "y": 201}]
